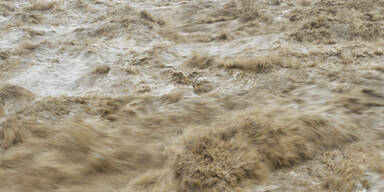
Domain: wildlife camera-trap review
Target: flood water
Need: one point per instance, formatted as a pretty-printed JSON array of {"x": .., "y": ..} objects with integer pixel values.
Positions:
[{"x": 191, "y": 95}]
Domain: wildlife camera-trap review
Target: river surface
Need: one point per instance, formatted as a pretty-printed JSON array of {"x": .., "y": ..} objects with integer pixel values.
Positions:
[{"x": 191, "y": 95}]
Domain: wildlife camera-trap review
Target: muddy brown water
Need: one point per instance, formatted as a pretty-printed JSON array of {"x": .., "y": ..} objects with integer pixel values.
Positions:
[{"x": 190, "y": 95}]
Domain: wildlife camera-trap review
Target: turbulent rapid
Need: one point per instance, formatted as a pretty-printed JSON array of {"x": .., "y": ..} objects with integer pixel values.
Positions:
[{"x": 192, "y": 95}]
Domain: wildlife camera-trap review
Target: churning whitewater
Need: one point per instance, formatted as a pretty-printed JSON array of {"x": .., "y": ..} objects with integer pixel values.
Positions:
[{"x": 192, "y": 95}]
